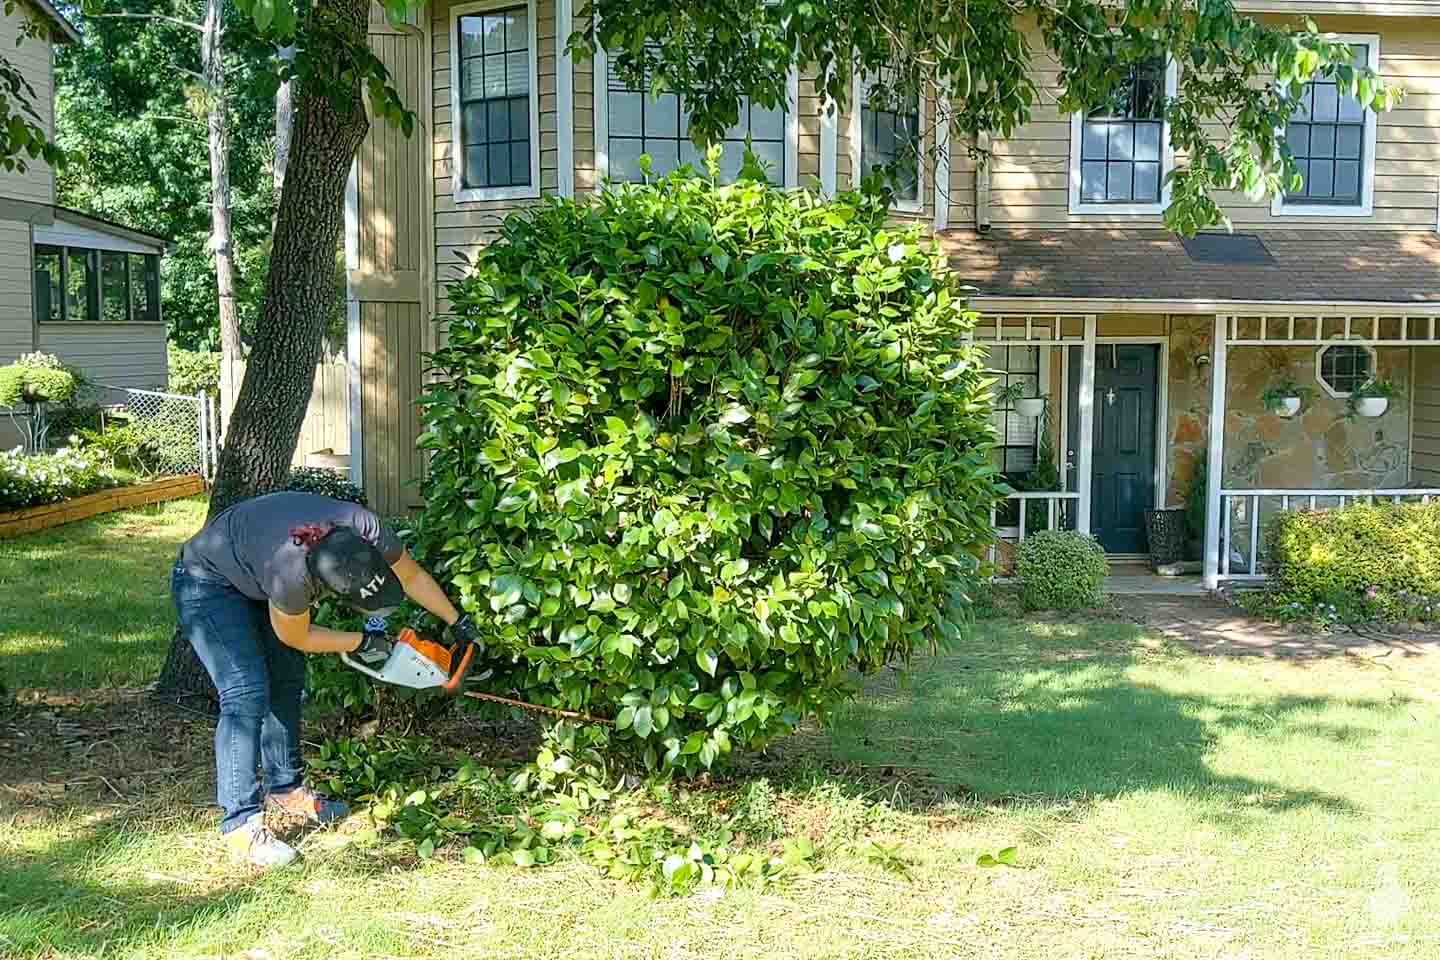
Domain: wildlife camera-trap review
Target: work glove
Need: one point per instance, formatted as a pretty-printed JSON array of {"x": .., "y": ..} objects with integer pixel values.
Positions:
[
  {"x": 375, "y": 645},
  {"x": 464, "y": 631}
]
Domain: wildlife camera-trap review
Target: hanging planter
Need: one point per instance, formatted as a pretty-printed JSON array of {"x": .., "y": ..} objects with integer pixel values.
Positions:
[
  {"x": 1371, "y": 399},
  {"x": 1030, "y": 406},
  {"x": 1284, "y": 397}
]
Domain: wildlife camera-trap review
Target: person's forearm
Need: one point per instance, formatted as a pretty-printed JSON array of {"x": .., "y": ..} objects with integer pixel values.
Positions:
[
  {"x": 325, "y": 640},
  {"x": 422, "y": 588}
]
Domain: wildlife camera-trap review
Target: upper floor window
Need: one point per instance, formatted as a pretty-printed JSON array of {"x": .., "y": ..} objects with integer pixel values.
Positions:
[
  {"x": 890, "y": 139},
  {"x": 1332, "y": 139},
  {"x": 631, "y": 123},
  {"x": 494, "y": 108},
  {"x": 81, "y": 285},
  {"x": 1120, "y": 152}
]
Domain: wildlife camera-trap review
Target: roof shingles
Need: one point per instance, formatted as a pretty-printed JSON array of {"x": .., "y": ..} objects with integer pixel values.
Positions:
[{"x": 1147, "y": 264}]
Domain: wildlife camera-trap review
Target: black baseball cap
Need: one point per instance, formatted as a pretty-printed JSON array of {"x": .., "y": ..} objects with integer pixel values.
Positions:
[{"x": 355, "y": 570}]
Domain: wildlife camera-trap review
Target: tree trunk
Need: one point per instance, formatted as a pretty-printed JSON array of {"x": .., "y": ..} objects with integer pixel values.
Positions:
[
  {"x": 212, "y": 64},
  {"x": 300, "y": 288},
  {"x": 299, "y": 297}
]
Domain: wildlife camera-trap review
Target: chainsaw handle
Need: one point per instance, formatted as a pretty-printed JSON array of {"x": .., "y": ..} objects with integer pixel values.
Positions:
[
  {"x": 357, "y": 665},
  {"x": 462, "y": 670}
]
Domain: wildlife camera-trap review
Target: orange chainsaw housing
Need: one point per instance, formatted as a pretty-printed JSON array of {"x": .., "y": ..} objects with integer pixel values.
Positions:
[{"x": 456, "y": 668}]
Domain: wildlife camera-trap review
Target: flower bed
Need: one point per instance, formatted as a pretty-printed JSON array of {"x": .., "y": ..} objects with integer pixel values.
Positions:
[
  {"x": 32, "y": 519},
  {"x": 29, "y": 480}
]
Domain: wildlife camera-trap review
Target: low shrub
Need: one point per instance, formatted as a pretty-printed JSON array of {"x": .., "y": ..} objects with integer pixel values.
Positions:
[
  {"x": 124, "y": 446},
  {"x": 32, "y": 480},
  {"x": 1385, "y": 552},
  {"x": 698, "y": 452},
  {"x": 39, "y": 374},
  {"x": 1060, "y": 570},
  {"x": 326, "y": 483}
]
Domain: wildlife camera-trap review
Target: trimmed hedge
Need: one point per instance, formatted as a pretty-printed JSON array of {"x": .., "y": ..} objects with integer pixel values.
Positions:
[
  {"x": 1060, "y": 570},
  {"x": 700, "y": 451},
  {"x": 1385, "y": 547}
]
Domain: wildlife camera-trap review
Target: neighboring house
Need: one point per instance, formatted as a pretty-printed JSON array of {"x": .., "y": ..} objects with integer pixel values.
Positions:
[
  {"x": 1139, "y": 340},
  {"x": 72, "y": 285}
]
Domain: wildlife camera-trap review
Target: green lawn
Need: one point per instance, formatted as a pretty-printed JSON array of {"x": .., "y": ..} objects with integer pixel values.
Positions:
[
  {"x": 1163, "y": 805},
  {"x": 88, "y": 604}
]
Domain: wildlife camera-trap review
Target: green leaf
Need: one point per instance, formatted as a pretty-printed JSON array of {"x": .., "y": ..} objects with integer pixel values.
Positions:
[
  {"x": 707, "y": 660},
  {"x": 735, "y": 569},
  {"x": 644, "y": 722},
  {"x": 1009, "y": 856},
  {"x": 426, "y": 850},
  {"x": 522, "y": 858}
]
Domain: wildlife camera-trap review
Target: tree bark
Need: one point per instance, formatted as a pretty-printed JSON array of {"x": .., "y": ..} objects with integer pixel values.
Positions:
[
  {"x": 300, "y": 288},
  {"x": 299, "y": 296},
  {"x": 212, "y": 65},
  {"x": 284, "y": 125}
]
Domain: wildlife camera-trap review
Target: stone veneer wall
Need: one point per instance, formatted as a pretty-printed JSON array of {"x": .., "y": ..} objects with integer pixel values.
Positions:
[{"x": 1317, "y": 449}]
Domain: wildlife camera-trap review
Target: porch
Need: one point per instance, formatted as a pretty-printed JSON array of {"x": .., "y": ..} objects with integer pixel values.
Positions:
[{"x": 1123, "y": 427}]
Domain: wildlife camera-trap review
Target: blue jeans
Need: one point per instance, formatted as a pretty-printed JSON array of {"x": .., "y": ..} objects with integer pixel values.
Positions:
[{"x": 260, "y": 681}]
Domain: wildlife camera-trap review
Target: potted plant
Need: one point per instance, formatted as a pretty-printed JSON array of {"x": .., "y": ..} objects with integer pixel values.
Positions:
[
  {"x": 1284, "y": 397},
  {"x": 1372, "y": 398},
  {"x": 1014, "y": 396}
]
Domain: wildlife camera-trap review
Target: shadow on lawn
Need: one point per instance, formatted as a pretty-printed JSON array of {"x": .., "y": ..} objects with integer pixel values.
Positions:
[{"x": 1040, "y": 723}]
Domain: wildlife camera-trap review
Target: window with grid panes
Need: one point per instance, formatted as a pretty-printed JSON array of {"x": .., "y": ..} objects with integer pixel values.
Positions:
[
  {"x": 1121, "y": 143},
  {"x": 1343, "y": 368},
  {"x": 890, "y": 140},
  {"x": 1326, "y": 134},
  {"x": 494, "y": 91},
  {"x": 658, "y": 126},
  {"x": 1016, "y": 435}
]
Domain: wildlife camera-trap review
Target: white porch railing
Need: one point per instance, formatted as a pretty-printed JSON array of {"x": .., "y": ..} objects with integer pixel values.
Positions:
[
  {"x": 1051, "y": 501},
  {"x": 1247, "y": 505}
]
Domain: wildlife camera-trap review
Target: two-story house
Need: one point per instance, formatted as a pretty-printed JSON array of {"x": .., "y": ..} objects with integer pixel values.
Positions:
[
  {"x": 83, "y": 289},
  {"x": 1139, "y": 341}
]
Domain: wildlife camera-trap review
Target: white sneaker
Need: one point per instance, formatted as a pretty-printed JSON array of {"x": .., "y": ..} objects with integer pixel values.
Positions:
[{"x": 258, "y": 845}]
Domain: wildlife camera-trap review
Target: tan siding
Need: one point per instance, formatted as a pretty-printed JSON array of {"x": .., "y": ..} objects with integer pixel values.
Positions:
[
  {"x": 116, "y": 354},
  {"x": 17, "y": 324},
  {"x": 810, "y": 106},
  {"x": 1031, "y": 174},
  {"x": 585, "y": 162},
  {"x": 392, "y": 340},
  {"x": 32, "y": 57},
  {"x": 464, "y": 228},
  {"x": 1425, "y": 465}
]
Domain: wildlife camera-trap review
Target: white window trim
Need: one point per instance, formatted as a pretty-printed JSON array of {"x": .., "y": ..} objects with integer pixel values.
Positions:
[
  {"x": 900, "y": 206},
  {"x": 602, "y": 124},
  {"x": 464, "y": 194},
  {"x": 1278, "y": 206},
  {"x": 1167, "y": 163},
  {"x": 1342, "y": 342}
]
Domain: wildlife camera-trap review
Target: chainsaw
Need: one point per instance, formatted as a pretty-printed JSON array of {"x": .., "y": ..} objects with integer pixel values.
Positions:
[{"x": 422, "y": 664}]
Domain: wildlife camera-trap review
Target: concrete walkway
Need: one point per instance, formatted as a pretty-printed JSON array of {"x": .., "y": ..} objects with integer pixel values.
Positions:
[{"x": 1209, "y": 625}]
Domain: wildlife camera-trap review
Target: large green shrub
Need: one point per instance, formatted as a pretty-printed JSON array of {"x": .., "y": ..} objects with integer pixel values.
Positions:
[
  {"x": 699, "y": 451},
  {"x": 1060, "y": 570},
  {"x": 1385, "y": 548},
  {"x": 193, "y": 371}
]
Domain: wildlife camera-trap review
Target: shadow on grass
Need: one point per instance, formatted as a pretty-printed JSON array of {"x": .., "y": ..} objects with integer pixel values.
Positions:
[
  {"x": 52, "y": 902},
  {"x": 1053, "y": 714}
]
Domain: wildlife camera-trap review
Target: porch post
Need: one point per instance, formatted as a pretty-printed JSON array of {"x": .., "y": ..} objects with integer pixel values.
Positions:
[
  {"x": 1216, "y": 458},
  {"x": 1087, "y": 426}
]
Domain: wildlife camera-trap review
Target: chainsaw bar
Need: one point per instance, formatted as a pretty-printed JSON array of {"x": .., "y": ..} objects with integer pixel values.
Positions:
[{"x": 537, "y": 708}]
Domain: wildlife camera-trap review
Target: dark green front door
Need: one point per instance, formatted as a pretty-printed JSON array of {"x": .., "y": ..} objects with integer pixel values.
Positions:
[{"x": 1123, "y": 463}]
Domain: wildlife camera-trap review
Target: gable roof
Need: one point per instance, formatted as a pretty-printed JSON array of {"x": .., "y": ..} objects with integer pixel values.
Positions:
[
  {"x": 1295, "y": 266},
  {"x": 64, "y": 32}
]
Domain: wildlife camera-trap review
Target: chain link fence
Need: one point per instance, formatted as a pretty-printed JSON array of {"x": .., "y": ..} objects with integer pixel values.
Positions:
[{"x": 175, "y": 430}]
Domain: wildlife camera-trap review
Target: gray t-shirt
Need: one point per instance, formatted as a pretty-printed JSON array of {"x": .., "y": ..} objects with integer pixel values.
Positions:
[{"x": 250, "y": 547}]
